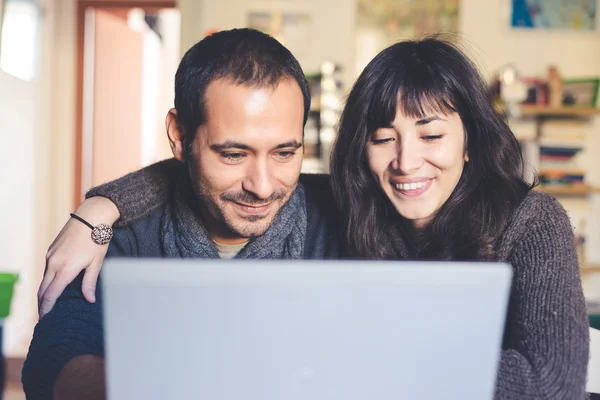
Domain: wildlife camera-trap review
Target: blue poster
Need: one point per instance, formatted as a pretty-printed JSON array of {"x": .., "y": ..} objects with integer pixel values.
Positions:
[{"x": 579, "y": 15}]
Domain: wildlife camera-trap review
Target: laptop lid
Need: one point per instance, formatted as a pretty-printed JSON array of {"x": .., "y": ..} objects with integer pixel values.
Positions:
[{"x": 267, "y": 330}]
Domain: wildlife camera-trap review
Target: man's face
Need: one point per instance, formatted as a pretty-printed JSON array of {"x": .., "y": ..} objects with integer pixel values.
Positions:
[{"x": 245, "y": 159}]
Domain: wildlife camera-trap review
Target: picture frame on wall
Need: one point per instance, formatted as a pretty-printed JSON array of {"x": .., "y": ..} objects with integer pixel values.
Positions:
[
  {"x": 569, "y": 15},
  {"x": 581, "y": 92}
]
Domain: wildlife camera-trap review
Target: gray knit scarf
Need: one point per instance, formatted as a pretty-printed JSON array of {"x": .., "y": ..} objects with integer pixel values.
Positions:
[{"x": 184, "y": 235}]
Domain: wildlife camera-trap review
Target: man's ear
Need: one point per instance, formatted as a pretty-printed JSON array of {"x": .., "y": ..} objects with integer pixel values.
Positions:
[{"x": 176, "y": 135}]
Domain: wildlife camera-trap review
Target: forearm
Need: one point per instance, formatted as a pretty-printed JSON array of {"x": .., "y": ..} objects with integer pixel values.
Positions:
[
  {"x": 139, "y": 193},
  {"x": 71, "y": 330},
  {"x": 98, "y": 210},
  {"x": 82, "y": 377},
  {"x": 547, "y": 346},
  {"x": 519, "y": 378}
]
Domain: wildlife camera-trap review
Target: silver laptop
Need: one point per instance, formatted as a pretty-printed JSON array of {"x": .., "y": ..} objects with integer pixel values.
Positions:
[{"x": 302, "y": 330}]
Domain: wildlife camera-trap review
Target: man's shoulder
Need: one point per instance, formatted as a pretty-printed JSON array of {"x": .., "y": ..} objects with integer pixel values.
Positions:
[
  {"x": 319, "y": 197},
  {"x": 322, "y": 225},
  {"x": 315, "y": 182},
  {"x": 140, "y": 238}
]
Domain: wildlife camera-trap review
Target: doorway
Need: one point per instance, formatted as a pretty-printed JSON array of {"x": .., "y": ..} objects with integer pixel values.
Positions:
[{"x": 128, "y": 52}]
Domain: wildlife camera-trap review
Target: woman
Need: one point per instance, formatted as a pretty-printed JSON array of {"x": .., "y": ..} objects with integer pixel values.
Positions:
[
  {"x": 435, "y": 174},
  {"x": 439, "y": 176}
]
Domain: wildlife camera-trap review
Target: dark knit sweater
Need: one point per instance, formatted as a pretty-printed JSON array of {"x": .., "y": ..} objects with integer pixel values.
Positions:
[{"x": 546, "y": 341}]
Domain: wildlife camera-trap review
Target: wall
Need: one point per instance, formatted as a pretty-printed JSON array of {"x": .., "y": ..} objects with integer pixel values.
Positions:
[
  {"x": 2, "y": 2},
  {"x": 485, "y": 26},
  {"x": 36, "y": 165},
  {"x": 17, "y": 191},
  {"x": 333, "y": 22},
  {"x": 160, "y": 76},
  {"x": 21, "y": 158},
  {"x": 117, "y": 98}
]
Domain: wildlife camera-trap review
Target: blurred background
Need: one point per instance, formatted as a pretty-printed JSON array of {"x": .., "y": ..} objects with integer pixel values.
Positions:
[{"x": 85, "y": 86}]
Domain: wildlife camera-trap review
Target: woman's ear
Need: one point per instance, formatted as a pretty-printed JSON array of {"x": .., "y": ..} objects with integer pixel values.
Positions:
[
  {"x": 175, "y": 134},
  {"x": 466, "y": 156}
]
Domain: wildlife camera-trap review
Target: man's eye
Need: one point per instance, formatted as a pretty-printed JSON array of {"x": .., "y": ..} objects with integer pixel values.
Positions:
[
  {"x": 285, "y": 155},
  {"x": 233, "y": 157}
]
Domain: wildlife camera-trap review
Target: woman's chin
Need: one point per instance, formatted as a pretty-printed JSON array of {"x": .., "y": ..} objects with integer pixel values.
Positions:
[{"x": 417, "y": 219}]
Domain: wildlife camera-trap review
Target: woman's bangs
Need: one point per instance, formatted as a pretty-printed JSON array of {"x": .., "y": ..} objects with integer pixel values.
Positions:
[
  {"x": 415, "y": 93},
  {"x": 420, "y": 98}
]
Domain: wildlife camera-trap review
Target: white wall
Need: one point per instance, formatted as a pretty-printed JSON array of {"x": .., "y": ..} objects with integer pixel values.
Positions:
[
  {"x": 486, "y": 26},
  {"x": 36, "y": 165},
  {"x": 333, "y": 21},
  {"x": 17, "y": 191}
]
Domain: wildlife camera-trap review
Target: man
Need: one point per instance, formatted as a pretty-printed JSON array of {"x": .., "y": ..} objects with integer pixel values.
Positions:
[{"x": 241, "y": 101}]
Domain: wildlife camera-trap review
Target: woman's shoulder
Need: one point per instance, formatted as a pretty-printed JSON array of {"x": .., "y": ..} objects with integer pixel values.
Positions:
[
  {"x": 537, "y": 207},
  {"x": 538, "y": 218}
]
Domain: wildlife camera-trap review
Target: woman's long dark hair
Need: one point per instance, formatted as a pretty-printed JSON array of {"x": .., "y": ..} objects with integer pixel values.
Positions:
[{"x": 419, "y": 76}]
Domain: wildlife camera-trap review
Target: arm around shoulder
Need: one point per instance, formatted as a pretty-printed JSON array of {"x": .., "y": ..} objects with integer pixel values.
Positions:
[{"x": 139, "y": 193}]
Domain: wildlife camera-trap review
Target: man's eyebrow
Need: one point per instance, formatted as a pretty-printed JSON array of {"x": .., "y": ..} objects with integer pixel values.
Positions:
[
  {"x": 292, "y": 143},
  {"x": 427, "y": 120},
  {"x": 230, "y": 145}
]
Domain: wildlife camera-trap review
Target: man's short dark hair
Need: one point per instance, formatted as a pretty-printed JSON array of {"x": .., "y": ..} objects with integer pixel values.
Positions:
[{"x": 244, "y": 56}]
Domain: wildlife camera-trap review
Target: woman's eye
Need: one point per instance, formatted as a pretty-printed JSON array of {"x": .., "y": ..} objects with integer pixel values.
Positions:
[
  {"x": 382, "y": 141},
  {"x": 432, "y": 137}
]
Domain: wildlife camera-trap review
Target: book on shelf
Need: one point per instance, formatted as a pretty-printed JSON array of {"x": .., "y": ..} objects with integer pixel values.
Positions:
[
  {"x": 566, "y": 128},
  {"x": 523, "y": 129},
  {"x": 552, "y": 142},
  {"x": 558, "y": 162},
  {"x": 559, "y": 151}
]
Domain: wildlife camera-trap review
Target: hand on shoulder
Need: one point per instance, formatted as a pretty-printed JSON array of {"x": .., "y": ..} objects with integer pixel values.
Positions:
[{"x": 73, "y": 251}]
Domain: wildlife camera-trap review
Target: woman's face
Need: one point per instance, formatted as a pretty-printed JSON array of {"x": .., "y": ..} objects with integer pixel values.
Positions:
[{"x": 418, "y": 162}]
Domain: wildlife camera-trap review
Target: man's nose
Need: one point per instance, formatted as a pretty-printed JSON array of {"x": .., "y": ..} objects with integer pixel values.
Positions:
[{"x": 258, "y": 180}]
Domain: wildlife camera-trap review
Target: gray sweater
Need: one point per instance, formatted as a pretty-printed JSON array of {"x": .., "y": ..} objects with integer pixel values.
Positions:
[{"x": 546, "y": 342}]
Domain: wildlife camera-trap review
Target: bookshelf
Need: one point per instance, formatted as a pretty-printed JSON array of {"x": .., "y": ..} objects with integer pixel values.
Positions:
[
  {"x": 560, "y": 145},
  {"x": 552, "y": 140},
  {"x": 319, "y": 132},
  {"x": 533, "y": 110},
  {"x": 589, "y": 269}
]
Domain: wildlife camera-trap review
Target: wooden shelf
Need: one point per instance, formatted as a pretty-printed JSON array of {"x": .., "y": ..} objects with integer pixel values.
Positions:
[
  {"x": 589, "y": 268},
  {"x": 545, "y": 111},
  {"x": 574, "y": 190}
]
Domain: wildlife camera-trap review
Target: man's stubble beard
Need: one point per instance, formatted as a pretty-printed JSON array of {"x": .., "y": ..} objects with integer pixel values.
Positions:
[
  {"x": 218, "y": 213},
  {"x": 209, "y": 207}
]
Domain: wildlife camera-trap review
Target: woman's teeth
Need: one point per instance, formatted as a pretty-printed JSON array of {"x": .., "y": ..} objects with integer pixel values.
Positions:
[{"x": 411, "y": 186}]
